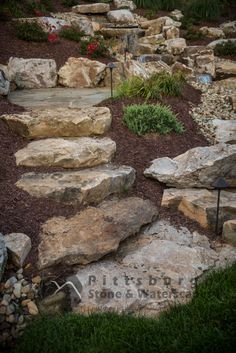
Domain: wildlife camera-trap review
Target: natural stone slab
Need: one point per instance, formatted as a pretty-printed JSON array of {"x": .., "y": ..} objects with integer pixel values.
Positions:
[
  {"x": 212, "y": 32},
  {"x": 93, "y": 233},
  {"x": 229, "y": 27},
  {"x": 220, "y": 41},
  {"x": 119, "y": 32},
  {"x": 200, "y": 205},
  {"x": 155, "y": 270},
  {"x": 224, "y": 66},
  {"x": 81, "y": 72},
  {"x": 91, "y": 8},
  {"x": 85, "y": 186},
  {"x": 229, "y": 232},
  {"x": 19, "y": 246},
  {"x": 3, "y": 255},
  {"x": 33, "y": 73},
  {"x": 128, "y": 4},
  {"x": 60, "y": 122},
  {"x": 198, "y": 167},
  {"x": 121, "y": 16},
  {"x": 175, "y": 46},
  {"x": 67, "y": 153},
  {"x": 225, "y": 131},
  {"x": 200, "y": 58}
]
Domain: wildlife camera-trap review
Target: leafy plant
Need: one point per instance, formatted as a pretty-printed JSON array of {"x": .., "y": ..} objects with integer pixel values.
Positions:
[
  {"x": 31, "y": 31},
  {"x": 10, "y": 8},
  {"x": 167, "y": 5},
  {"x": 225, "y": 49},
  {"x": 193, "y": 34},
  {"x": 158, "y": 84},
  {"x": 94, "y": 47},
  {"x": 71, "y": 33},
  {"x": 204, "y": 9},
  {"x": 145, "y": 118}
]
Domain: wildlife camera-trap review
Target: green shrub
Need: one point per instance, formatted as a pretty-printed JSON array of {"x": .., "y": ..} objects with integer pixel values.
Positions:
[
  {"x": 41, "y": 6},
  {"x": 167, "y": 5},
  {"x": 31, "y": 32},
  {"x": 71, "y": 33},
  {"x": 69, "y": 3},
  {"x": 204, "y": 9},
  {"x": 145, "y": 118},
  {"x": 10, "y": 8},
  {"x": 194, "y": 34},
  {"x": 225, "y": 49},
  {"x": 153, "y": 87},
  {"x": 95, "y": 47}
]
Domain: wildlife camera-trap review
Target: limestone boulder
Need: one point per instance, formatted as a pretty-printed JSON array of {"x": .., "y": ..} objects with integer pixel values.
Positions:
[
  {"x": 3, "y": 256},
  {"x": 79, "y": 187},
  {"x": 200, "y": 205},
  {"x": 228, "y": 27},
  {"x": 199, "y": 167},
  {"x": 220, "y": 41},
  {"x": 171, "y": 32},
  {"x": 156, "y": 26},
  {"x": 229, "y": 232},
  {"x": 176, "y": 14},
  {"x": 67, "y": 152},
  {"x": 48, "y": 24},
  {"x": 33, "y": 73},
  {"x": 81, "y": 72},
  {"x": 157, "y": 269},
  {"x": 225, "y": 131},
  {"x": 121, "y": 16},
  {"x": 80, "y": 22},
  {"x": 224, "y": 66},
  {"x": 212, "y": 32},
  {"x": 175, "y": 46},
  {"x": 95, "y": 8},
  {"x": 119, "y": 32},
  {"x": 199, "y": 58},
  {"x": 127, "y": 4},
  {"x": 60, "y": 122},
  {"x": 93, "y": 233},
  {"x": 18, "y": 246},
  {"x": 179, "y": 67}
]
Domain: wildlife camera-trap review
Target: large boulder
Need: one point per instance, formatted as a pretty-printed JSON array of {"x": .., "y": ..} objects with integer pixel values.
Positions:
[
  {"x": 79, "y": 187},
  {"x": 212, "y": 32},
  {"x": 199, "y": 167},
  {"x": 199, "y": 58},
  {"x": 175, "y": 46},
  {"x": 225, "y": 130},
  {"x": 67, "y": 152},
  {"x": 91, "y": 8},
  {"x": 60, "y": 122},
  {"x": 229, "y": 232},
  {"x": 220, "y": 41},
  {"x": 127, "y": 4},
  {"x": 119, "y": 32},
  {"x": 3, "y": 256},
  {"x": 4, "y": 84},
  {"x": 18, "y": 246},
  {"x": 93, "y": 233},
  {"x": 228, "y": 27},
  {"x": 157, "y": 269},
  {"x": 171, "y": 32},
  {"x": 224, "y": 66},
  {"x": 156, "y": 26},
  {"x": 81, "y": 72},
  {"x": 33, "y": 73},
  {"x": 80, "y": 22},
  {"x": 121, "y": 16},
  {"x": 200, "y": 205}
]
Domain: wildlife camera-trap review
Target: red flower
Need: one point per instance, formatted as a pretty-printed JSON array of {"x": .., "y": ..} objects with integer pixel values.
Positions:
[
  {"x": 52, "y": 37},
  {"x": 92, "y": 47},
  {"x": 38, "y": 12}
]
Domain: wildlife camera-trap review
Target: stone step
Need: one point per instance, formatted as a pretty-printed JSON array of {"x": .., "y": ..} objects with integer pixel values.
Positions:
[
  {"x": 79, "y": 187},
  {"x": 198, "y": 167},
  {"x": 66, "y": 152},
  {"x": 60, "y": 122},
  {"x": 200, "y": 205},
  {"x": 92, "y": 233}
]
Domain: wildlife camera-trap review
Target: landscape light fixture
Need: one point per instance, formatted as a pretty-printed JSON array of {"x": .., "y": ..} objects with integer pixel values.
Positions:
[
  {"x": 219, "y": 184},
  {"x": 111, "y": 66}
]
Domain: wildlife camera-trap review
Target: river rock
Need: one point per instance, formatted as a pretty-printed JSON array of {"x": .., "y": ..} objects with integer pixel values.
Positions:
[
  {"x": 81, "y": 187},
  {"x": 93, "y": 233},
  {"x": 60, "y": 122},
  {"x": 200, "y": 205},
  {"x": 67, "y": 153},
  {"x": 33, "y": 73},
  {"x": 81, "y": 72},
  {"x": 91, "y": 8},
  {"x": 198, "y": 167},
  {"x": 19, "y": 246}
]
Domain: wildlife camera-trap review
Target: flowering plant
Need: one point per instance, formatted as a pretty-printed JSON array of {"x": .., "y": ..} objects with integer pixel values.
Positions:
[
  {"x": 94, "y": 47},
  {"x": 52, "y": 37}
]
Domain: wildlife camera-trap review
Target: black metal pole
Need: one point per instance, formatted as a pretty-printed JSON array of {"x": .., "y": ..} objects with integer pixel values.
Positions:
[
  {"x": 217, "y": 213},
  {"x": 111, "y": 84}
]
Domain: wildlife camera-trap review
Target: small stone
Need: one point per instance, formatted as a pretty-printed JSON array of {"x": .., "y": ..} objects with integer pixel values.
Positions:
[
  {"x": 10, "y": 282},
  {"x": 10, "y": 319},
  {"x": 10, "y": 309},
  {"x": 26, "y": 289},
  {"x": 32, "y": 307},
  {"x": 25, "y": 302},
  {"x": 20, "y": 320},
  {"x": 17, "y": 290},
  {"x": 6, "y": 299},
  {"x": 37, "y": 280}
]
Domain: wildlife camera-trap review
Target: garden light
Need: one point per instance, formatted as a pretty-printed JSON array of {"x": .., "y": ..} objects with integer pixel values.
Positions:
[
  {"x": 111, "y": 66},
  {"x": 219, "y": 185}
]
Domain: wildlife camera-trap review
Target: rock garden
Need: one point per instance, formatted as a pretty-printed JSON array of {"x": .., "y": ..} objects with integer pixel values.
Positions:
[{"x": 118, "y": 175}]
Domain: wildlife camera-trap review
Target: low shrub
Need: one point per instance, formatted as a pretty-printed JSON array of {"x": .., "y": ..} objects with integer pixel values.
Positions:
[
  {"x": 225, "y": 49},
  {"x": 145, "y": 118},
  {"x": 31, "y": 32},
  {"x": 94, "y": 47},
  {"x": 204, "y": 9},
  {"x": 152, "y": 88},
  {"x": 71, "y": 33}
]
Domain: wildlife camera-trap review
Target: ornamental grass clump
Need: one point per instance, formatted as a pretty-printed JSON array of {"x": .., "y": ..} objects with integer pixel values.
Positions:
[
  {"x": 31, "y": 32},
  {"x": 148, "y": 118}
]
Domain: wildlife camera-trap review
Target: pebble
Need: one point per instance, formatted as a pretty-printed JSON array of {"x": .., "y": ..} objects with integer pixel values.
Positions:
[
  {"x": 32, "y": 307},
  {"x": 37, "y": 280},
  {"x": 17, "y": 290}
]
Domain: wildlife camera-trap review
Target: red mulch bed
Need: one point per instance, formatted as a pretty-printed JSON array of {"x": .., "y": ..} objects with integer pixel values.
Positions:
[{"x": 19, "y": 212}]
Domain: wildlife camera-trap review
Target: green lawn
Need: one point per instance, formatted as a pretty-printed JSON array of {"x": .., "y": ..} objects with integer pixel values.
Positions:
[{"x": 206, "y": 324}]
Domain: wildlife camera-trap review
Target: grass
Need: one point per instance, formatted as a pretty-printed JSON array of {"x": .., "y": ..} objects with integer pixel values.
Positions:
[
  {"x": 147, "y": 118},
  {"x": 158, "y": 84},
  {"x": 225, "y": 49},
  {"x": 205, "y": 325}
]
